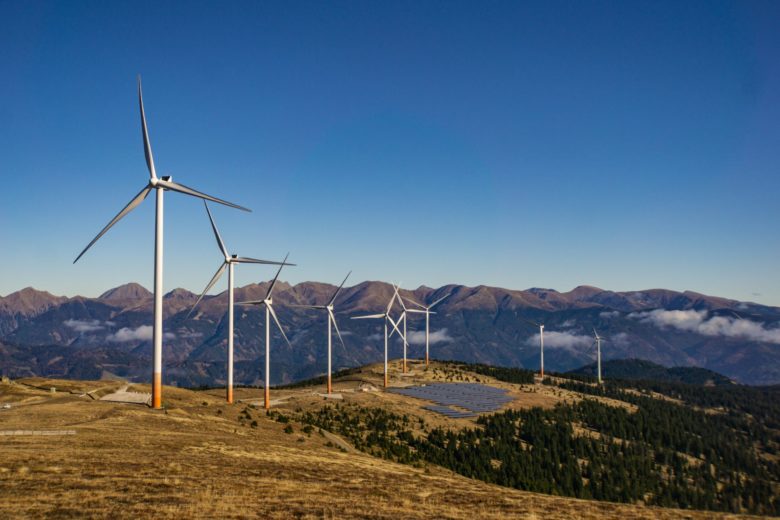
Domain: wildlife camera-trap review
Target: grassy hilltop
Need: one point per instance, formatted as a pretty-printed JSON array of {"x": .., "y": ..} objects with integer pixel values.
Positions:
[{"x": 370, "y": 455}]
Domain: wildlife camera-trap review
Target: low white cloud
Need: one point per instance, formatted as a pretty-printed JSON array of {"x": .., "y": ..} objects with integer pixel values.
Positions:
[
  {"x": 698, "y": 322},
  {"x": 82, "y": 326},
  {"x": 188, "y": 334},
  {"x": 568, "y": 324},
  {"x": 565, "y": 340},
  {"x": 417, "y": 337},
  {"x": 621, "y": 339},
  {"x": 140, "y": 333},
  {"x": 608, "y": 315}
]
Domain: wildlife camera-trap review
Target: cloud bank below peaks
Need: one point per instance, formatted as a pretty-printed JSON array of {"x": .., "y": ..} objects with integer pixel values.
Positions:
[{"x": 700, "y": 323}]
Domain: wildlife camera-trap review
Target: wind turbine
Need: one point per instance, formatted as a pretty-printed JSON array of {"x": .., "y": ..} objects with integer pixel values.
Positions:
[
  {"x": 268, "y": 302},
  {"x": 541, "y": 346},
  {"x": 331, "y": 320},
  {"x": 401, "y": 318},
  {"x": 387, "y": 318},
  {"x": 599, "y": 339},
  {"x": 160, "y": 185},
  {"x": 228, "y": 263},
  {"x": 427, "y": 311}
]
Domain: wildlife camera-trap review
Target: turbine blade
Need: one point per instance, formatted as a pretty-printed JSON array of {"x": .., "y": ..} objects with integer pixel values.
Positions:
[
  {"x": 418, "y": 311},
  {"x": 336, "y": 326},
  {"x": 395, "y": 293},
  {"x": 181, "y": 188},
  {"x": 368, "y": 317},
  {"x": 247, "y": 260},
  {"x": 339, "y": 289},
  {"x": 307, "y": 306},
  {"x": 251, "y": 302},
  {"x": 220, "y": 243},
  {"x": 145, "y": 134},
  {"x": 398, "y": 295},
  {"x": 395, "y": 326},
  {"x": 127, "y": 209},
  {"x": 214, "y": 279},
  {"x": 437, "y": 302},
  {"x": 531, "y": 322},
  {"x": 271, "y": 287},
  {"x": 409, "y": 300},
  {"x": 276, "y": 319}
]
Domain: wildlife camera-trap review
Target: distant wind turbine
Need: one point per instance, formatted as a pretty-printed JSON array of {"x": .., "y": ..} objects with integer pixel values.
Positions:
[
  {"x": 387, "y": 318},
  {"x": 599, "y": 339},
  {"x": 268, "y": 302},
  {"x": 541, "y": 346},
  {"x": 427, "y": 311},
  {"x": 228, "y": 263},
  {"x": 331, "y": 325},
  {"x": 160, "y": 185}
]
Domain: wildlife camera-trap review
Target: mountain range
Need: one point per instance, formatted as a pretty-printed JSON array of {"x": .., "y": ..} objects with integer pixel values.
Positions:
[{"x": 109, "y": 336}]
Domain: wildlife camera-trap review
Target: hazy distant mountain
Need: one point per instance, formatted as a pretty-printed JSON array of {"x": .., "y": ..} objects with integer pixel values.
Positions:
[
  {"x": 22, "y": 305},
  {"x": 476, "y": 324},
  {"x": 128, "y": 291}
]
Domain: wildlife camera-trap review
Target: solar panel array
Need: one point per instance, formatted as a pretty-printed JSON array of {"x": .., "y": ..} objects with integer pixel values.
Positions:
[{"x": 474, "y": 398}]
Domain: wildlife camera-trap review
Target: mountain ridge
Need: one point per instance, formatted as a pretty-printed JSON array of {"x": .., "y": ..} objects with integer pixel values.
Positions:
[{"x": 481, "y": 324}]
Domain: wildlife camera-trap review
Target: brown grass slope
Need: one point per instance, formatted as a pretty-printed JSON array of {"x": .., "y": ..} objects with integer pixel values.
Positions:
[{"x": 200, "y": 458}]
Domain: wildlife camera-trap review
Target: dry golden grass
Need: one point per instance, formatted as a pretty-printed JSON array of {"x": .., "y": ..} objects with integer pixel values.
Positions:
[{"x": 197, "y": 460}]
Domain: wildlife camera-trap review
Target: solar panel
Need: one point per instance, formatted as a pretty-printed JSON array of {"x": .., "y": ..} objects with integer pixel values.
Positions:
[{"x": 475, "y": 398}]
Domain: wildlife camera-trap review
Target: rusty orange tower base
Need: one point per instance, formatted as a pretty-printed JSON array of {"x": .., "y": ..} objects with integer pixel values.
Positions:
[{"x": 157, "y": 391}]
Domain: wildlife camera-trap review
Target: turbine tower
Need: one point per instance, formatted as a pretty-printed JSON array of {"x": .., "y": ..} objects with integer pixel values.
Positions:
[
  {"x": 160, "y": 185},
  {"x": 541, "y": 346},
  {"x": 599, "y": 339},
  {"x": 268, "y": 302},
  {"x": 331, "y": 325},
  {"x": 427, "y": 311},
  {"x": 401, "y": 318},
  {"x": 228, "y": 263},
  {"x": 387, "y": 318}
]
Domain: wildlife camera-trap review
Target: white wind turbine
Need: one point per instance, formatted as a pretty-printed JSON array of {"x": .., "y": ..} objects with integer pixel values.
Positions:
[
  {"x": 228, "y": 263},
  {"x": 541, "y": 346},
  {"x": 387, "y": 318},
  {"x": 599, "y": 339},
  {"x": 400, "y": 319},
  {"x": 331, "y": 325},
  {"x": 268, "y": 302},
  {"x": 427, "y": 311},
  {"x": 160, "y": 185}
]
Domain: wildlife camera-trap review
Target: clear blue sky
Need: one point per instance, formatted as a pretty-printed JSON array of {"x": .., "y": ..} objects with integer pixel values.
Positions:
[{"x": 626, "y": 145}]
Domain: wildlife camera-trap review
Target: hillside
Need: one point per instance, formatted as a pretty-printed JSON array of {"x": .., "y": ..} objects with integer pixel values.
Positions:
[
  {"x": 202, "y": 458},
  {"x": 80, "y": 337},
  {"x": 647, "y": 370}
]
